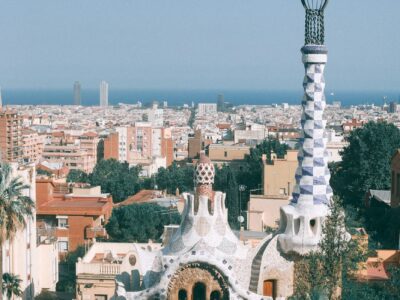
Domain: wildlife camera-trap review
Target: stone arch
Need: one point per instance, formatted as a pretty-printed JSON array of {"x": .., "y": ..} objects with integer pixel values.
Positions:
[{"x": 194, "y": 273}]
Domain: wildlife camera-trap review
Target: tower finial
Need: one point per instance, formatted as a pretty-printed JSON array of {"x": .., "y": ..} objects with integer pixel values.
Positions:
[
  {"x": 204, "y": 178},
  {"x": 315, "y": 23}
]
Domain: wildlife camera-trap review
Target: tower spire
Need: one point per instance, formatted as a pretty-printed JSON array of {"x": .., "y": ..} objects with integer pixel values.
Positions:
[{"x": 302, "y": 220}]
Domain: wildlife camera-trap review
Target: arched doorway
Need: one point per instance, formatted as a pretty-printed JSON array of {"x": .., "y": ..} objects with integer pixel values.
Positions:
[
  {"x": 215, "y": 295},
  {"x": 199, "y": 291},
  {"x": 182, "y": 295},
  {"x": 199, "y": 280}
]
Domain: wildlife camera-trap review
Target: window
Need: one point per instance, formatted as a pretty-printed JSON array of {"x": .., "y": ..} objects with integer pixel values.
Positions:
[
  {"x": 63, "y": 222},
  {"x": 225, "y": 153},
  {"x": 63, "y": 246},
  {"x": 100, "y": 297}
]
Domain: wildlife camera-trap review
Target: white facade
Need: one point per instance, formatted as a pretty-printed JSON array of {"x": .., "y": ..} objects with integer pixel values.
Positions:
[
  {"x": 207, "y": 108},
  {"x": 103, "y": 94},
  {"x": 22, "y": 256},
  {"x": 156, "y": 117},
  {"x": 122, "y": 147}
]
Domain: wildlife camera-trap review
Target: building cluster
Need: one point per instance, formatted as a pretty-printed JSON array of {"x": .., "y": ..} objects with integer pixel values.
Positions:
[{"x": 44, "y": 143}]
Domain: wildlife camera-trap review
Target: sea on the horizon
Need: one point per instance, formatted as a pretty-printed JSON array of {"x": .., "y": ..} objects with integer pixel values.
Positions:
[{"x": 180, "y": 97}]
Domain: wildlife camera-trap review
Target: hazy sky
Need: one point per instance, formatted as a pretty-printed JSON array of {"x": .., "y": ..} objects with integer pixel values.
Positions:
[{"x": 189, "y": 44}]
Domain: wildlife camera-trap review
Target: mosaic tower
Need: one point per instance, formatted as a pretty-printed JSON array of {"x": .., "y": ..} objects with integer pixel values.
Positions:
[{"x": 302, "y": 220}]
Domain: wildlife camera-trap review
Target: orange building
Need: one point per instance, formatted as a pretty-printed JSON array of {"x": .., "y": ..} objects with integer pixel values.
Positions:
[
  {"x": 139, "y": 144},
  {"x": 75, "y": 218},
  {"x": 32, "y": 145},
  {"x": 10, "y": 136},
  {"x": 111, "y": 144}
]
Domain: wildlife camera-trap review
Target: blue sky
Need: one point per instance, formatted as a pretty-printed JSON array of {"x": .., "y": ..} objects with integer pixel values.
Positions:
[{"x": 191, "y": 44}]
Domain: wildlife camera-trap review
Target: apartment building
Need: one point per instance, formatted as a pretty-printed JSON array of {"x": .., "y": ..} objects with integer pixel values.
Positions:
[
  {"x": 141, "y": 144},
  {"x": 10, "y": 136},
  {"x": 32, "y": 145},
  {"x": 77, "y": 152},
  {"x": 73, "y": 218},
  {"x": 207, "y": 108}
]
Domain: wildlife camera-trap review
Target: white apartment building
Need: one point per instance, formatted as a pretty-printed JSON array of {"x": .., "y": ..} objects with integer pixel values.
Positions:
[{"x": 207, "y": 108}]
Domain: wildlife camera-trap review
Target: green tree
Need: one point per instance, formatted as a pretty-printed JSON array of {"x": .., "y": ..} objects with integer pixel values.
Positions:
[
  {"x": 140, "y": 222},
  {"x": 324, "y": 271},
  {"x": 225, "y": 181},
  {"x": 11, "y": 285},
  {"x": 174, "y": 177},
  {"x": 116, "y": 178},
  {"x": 365, "y": 162},
  {"x": 100, "y": 150},
  {"x": 67, "y": 281},
  {"x": 43, "y": 172},
  {"x": 77, "y": 176},
  {"x": 15, "y": 207},
  {"x": 46, "y": 295}
]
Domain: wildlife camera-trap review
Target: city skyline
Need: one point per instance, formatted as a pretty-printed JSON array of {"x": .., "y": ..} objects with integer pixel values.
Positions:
[{"x": 183, "y": 45}]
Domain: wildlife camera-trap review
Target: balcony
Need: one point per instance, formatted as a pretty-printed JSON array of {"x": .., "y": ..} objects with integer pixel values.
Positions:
[
  {"x": 98, "y": 268},
  {"x": 45, "y": 235},
  {"x": 95, "y": 232}
]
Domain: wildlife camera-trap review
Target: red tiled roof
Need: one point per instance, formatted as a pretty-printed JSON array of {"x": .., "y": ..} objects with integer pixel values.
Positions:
[
  {"x": 141, "y": 196},
  {"x": 76, "y": 206}
]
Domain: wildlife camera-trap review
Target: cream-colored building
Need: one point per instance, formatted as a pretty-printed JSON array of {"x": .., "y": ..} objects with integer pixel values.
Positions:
[
  {"x": 77, "y": 152},
  {"x": 278, "y": 183},
  {"x": 34, "y": 261},
  {"x": 98, "y": 270},
  {"x": 263, "y": 211},
  {"x": 227, "y": 152},
  {"x": 278, "y": 176}
]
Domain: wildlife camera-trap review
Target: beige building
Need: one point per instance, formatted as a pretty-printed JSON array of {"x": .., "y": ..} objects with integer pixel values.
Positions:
[
  {"x": 227, "y": 152},
  {"x": 278, "y": 183},
  {"x": 75, "y": 152},
  {"x": 97, "y": 271},
  {"x": 263, "y": 211},
  {"x": 195, "y": 144},
  {"x": 279, "y": 175}
]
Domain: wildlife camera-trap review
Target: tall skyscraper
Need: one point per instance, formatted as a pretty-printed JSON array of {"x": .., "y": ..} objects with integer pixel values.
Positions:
[
  {"x": 103, "y": 93},
  {"x": 77, "y": 93}
]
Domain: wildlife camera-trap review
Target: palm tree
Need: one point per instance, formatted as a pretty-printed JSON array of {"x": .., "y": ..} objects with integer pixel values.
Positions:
[
  {"x": 14, "y": 208},
  {"x": 11, "y": 285}
]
